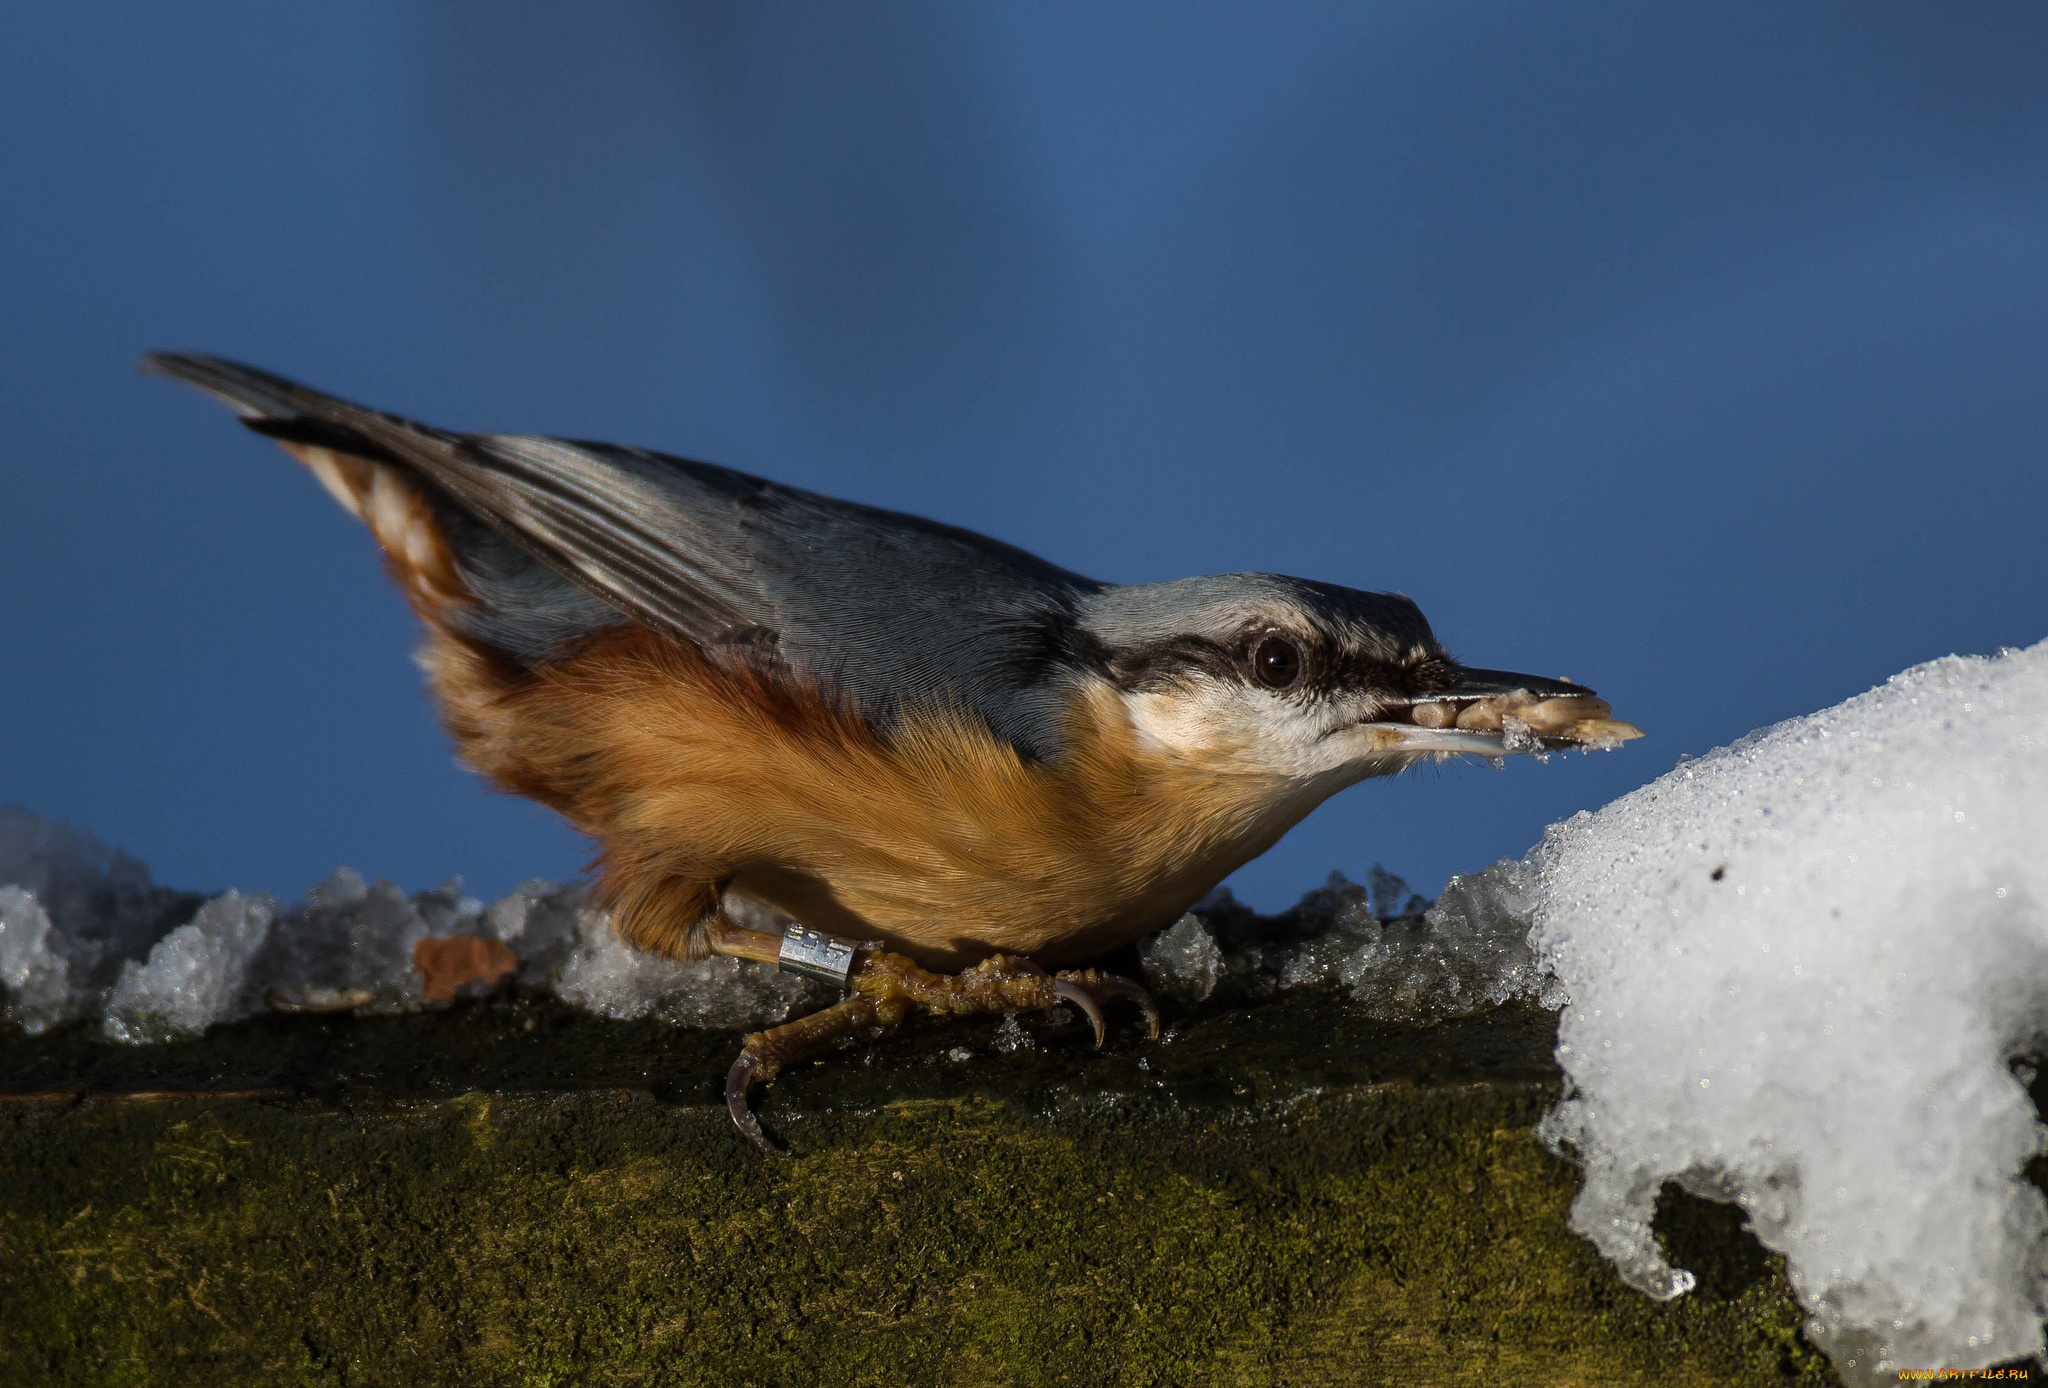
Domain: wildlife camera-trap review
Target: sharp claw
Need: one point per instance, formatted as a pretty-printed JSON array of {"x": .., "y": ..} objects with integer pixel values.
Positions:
[
  {"x": 1080, "y": 997},
  {"x": 1124, "y": 988},
  {"x": 737, "y": 1081}
]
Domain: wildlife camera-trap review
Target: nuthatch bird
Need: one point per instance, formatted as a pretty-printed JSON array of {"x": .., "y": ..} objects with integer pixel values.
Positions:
[{"x": 933, "y": 750}]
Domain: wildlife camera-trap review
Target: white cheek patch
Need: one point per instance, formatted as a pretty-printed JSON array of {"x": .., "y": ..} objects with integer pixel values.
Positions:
[
  {"x": 1180, "y": 722},
  {"x": 1241, "y": 729}
]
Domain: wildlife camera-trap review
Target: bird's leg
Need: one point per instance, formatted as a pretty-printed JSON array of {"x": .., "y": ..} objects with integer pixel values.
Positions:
[{"x": 884, "y": 987}]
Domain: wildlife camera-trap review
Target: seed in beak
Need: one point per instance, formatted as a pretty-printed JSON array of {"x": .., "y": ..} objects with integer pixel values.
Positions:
[
  {"x": 1480, "y": 717},
  {"x": 1556, "y": 717},
  {"x": 1433, "y": 715}
]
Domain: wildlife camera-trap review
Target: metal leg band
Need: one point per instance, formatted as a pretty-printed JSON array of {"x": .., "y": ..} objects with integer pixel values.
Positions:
[{"x": 815, "y": 954}]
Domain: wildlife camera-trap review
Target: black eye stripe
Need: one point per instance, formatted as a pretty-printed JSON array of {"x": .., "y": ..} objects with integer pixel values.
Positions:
[
  {"x": 1328, "y": 664},
  {"x": 1165, "y": 663}
]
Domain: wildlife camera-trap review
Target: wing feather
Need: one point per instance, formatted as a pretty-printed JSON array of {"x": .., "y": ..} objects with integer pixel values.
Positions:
[{"x": 892, "y": 609}]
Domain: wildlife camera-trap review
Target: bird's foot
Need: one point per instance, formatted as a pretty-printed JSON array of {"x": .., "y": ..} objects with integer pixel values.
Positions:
[{"x": 886, "y": 986}]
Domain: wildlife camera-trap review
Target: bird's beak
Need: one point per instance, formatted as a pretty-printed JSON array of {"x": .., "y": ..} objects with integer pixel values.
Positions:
[{"x": 1497, "y": 712}]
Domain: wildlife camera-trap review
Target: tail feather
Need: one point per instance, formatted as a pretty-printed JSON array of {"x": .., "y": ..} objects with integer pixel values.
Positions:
[
  {"x": 250, "y": 393},
  {"x": 470, "y": 582},
  {"x": 292, "y": 413},
  {"x": 340, "y": 445}
]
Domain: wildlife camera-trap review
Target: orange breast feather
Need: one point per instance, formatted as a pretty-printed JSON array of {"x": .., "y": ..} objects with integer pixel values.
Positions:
[{"x": 938, "y": 838}]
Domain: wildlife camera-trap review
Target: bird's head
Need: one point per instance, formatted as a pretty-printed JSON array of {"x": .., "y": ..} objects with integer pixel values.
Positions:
[{"x": 1314, "y": 684}]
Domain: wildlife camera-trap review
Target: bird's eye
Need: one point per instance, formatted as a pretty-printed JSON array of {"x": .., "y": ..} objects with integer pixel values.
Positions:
[{"x": 1276, "y": 662}]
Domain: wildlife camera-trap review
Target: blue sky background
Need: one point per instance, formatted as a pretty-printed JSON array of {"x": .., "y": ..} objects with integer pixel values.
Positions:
[{"x": 1697, "y": 352}]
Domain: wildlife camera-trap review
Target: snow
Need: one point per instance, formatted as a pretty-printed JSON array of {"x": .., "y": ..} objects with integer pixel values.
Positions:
[
  {"x": 1800, "y": 968},
  {"x": 71, "y": 911},
  {"x": 37, "y": 978},
  {"x": 84, "y": 934},
  {"x": 603, "y": 976},
  {"x": 1398, "y": 957},
  {"x": 194, "y": 976},
  {"x": 1183, "y": 962}
]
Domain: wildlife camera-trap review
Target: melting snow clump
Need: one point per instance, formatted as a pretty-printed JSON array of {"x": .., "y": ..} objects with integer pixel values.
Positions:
[
  {"x": 1400, "y": 958},
  {"x": 37, "y": 978},
  {"x": 603, "y": 976},
  {"x": 1800, "y": 968},
  {"x": 193, "y": 976},
  {"x": 71, "y": 912},
  {"x": 84, "y": 934}
]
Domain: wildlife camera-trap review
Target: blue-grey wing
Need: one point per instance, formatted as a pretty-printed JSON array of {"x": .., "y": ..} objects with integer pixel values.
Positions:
[{"x": 891, "y": 610}]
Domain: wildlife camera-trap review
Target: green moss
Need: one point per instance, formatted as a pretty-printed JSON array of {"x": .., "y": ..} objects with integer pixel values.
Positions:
[{"x": 1081, "y": 1233}]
